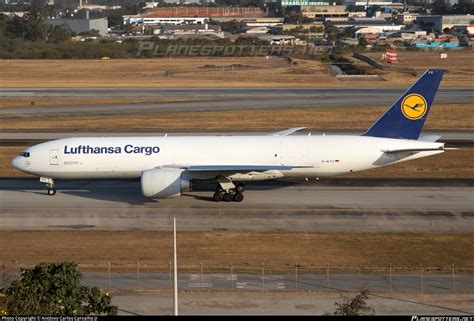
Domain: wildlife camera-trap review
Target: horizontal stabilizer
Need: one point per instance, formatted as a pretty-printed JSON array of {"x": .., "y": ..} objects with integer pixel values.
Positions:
[
  {"x": 286, "y": 132},
  {"x": 429, "y": 138}
]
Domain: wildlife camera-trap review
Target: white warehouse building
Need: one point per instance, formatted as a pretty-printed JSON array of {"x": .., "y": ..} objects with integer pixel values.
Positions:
[
  {"x": 137, "y": 20},
  {"x": 378, "y": 29}
]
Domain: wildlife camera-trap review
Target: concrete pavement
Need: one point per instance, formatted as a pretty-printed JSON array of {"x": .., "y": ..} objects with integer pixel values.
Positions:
[
  {"x": 297, "y": 303},
  {"x": 216, "y": 99},
  {"x": 118, "y": 204}
]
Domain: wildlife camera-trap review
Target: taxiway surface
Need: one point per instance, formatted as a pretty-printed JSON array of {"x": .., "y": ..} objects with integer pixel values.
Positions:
[
  {"x": 215, "y": 99},
  {"x": 118, "y": 204}
]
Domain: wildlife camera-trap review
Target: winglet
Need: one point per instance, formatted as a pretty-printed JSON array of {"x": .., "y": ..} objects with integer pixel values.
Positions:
[{"x": 286, "y": 132}]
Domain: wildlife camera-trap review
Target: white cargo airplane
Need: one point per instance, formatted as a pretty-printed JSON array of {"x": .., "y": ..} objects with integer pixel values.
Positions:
[{"x": 168, "y": 165}]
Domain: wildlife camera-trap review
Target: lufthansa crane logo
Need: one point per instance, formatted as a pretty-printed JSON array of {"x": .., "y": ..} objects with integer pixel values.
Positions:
[{"x": 414, "y": 106}]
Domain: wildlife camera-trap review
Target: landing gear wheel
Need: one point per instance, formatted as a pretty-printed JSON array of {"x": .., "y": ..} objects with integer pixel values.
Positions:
[
  {"x": 217, "y": 197},
  {"x": 51, "y": 191},
  {"x": 228, "y": 197},
  {"x": 238, "y": 197},
  {"x": 240, "y": 188}
]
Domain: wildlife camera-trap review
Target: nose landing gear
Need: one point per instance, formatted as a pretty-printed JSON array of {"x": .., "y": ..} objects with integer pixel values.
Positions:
[
  {"x": 49, "y": 184},
  {"x": 51, "y": 191}
]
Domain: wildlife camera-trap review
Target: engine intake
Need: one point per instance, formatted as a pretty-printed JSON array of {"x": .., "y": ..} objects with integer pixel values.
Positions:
[{"x": 164, "y": 182}]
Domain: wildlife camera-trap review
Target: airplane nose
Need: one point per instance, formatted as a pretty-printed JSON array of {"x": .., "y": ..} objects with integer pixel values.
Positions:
[{"x": 16, "y": 163}]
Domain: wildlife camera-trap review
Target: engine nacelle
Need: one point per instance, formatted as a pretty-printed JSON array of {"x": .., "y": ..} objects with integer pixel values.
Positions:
[{"x": 164, "y": 182}]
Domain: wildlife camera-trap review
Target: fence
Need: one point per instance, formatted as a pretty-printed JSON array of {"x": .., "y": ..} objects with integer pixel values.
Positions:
[
  {"x": 149, "y": 276},
  {"x": 145, "y": 276}
]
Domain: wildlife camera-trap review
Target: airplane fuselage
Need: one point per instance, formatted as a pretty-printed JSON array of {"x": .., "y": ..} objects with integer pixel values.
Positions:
[{"x": 128, "y": 157}]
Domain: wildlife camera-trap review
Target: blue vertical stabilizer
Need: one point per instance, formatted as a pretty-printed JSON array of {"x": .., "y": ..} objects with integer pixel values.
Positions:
[{"x": 405, "y": 119}]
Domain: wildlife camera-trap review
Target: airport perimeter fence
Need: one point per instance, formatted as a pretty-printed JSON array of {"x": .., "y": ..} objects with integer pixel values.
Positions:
[{"x": 147, "y": 276}]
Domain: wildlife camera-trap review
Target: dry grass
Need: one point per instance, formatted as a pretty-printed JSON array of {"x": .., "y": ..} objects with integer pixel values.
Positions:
[
  {"x": 6, "y": 155},
  {"x": 443, "y": 117},
  {"x": 449, "y": 165},
  {"x": 457, "y": 62},
  {"x": 182, "y": 72},
  {"x": 459, "y": 65},
  {"x": 188, "y": 72},
  {"x": 278, "y": 249}
]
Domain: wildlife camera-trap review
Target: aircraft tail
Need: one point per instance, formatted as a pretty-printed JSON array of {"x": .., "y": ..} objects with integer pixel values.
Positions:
[{"x": 405, "y": 119}]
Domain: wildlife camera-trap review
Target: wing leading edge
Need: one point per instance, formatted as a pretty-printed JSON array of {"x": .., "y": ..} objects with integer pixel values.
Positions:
[{"x": 286, "y": 132}]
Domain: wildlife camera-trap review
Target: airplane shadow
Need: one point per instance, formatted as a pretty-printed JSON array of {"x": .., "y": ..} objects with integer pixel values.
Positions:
[
  {"x": 130, "y": 197},
  {"x": 131, "y": 193},
  {"x": 200, "y": 198},
  {"x": 205, "y": 186}
]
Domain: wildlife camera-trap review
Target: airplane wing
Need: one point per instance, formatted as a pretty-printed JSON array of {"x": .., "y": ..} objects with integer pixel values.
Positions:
[
  {"x": 286, "y": 132},
  {"x": 413, "y": 150},
  {"x": 238, "y": 168}
]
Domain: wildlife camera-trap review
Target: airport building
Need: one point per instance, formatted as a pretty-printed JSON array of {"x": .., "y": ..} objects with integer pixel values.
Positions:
[
  {"x": 321, "y": 12},
  {"x": 203, "y": 12},
  {"x": 439, "y": 23},
  {"x": 407, "y": 18},
  {"x": 365, "y": 25},
  {"x": 139, "y": 20},
  {"x": 83, "y": 25}
]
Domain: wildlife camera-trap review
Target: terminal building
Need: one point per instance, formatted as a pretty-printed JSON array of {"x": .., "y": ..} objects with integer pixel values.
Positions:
[{"x": 83, "y": 25}]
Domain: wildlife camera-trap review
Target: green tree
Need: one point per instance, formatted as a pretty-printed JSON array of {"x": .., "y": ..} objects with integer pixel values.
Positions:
[
  {"x": 463, "y": 7},
  {"x": 59, "y": 34},
  {"x": 362, "y": 42},
  {"x": 90, "y": 33},
  {"x": 114, "y": 19},
  {"x": 15, "y": 27},
  {"x": 325, "y": 58},
  {"x": 354, "y": 306},
  {"x": 441, "y": 7},
  {"x": 232, "y": 26},
  {"x": 54, "y": 289}
]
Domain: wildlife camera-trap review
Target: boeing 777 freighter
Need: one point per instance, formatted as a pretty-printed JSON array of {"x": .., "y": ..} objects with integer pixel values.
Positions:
[{"x": 168, "y": 165}]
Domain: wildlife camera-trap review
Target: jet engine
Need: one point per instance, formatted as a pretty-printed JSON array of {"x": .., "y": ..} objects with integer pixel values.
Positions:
[{"x": 164, "y": 182}]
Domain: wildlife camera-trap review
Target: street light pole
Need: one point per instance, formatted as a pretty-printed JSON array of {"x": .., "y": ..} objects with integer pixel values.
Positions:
[{"x": 175, "y": 290}]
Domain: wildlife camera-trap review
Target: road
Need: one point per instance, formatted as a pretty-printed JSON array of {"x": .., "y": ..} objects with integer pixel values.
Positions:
[
  {"x": 285, "y": 206},
  {"x": 215, "y": 99},
  {"x": 290, "y": 303}
]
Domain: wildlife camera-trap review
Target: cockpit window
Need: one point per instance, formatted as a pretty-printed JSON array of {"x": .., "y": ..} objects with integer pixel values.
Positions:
[{"x": 25, "y": 154}]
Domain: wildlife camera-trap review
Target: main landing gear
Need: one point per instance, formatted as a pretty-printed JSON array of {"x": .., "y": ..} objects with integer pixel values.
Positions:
[
  {"x": 227, "y": 191},
  {"x": 49, "y": 184}
]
